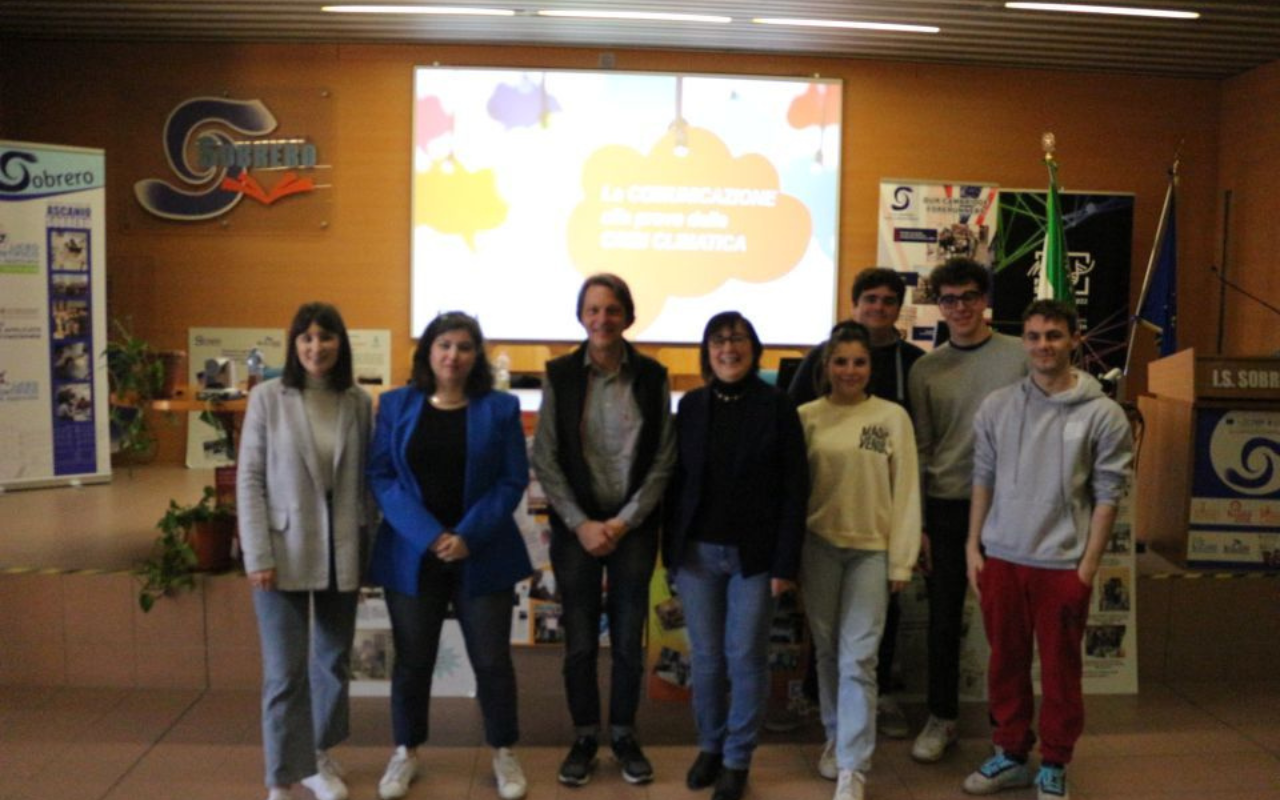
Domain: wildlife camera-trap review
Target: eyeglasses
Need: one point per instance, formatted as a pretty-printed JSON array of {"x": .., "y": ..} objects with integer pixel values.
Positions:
[
  {"x": 952, "y": 300},
  {"x": 721, "y": 341}
]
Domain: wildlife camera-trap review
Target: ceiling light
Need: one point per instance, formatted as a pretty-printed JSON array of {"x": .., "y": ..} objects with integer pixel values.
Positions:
[
  {"x": 635, "y": 15},
  {"x": 1126, "y": 11},
  {"x": 452, "y": 10},
  {"x": 834, "y": 23}
]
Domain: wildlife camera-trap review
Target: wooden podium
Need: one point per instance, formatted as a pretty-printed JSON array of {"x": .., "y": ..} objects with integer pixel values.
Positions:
[{"x": 1208, "y": 475}]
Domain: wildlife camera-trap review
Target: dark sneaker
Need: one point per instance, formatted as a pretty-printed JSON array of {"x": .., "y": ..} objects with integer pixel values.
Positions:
[
  {"x": 705, "y": 770},
  {"x": 732, "y": 784},
  {"x": 635, "y": 767},
  {"x": 577, "y": 767}
]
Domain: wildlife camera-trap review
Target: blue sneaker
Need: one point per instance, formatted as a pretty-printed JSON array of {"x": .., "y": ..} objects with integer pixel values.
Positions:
[
  {"x": 996, "y": 773},
  {"x": 1051, "y": 782}
]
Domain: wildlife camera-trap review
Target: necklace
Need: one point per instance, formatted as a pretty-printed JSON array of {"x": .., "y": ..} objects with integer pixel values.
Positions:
[
  {"x": 725, "y": 397},
  {"x": 447, "y": 404}
]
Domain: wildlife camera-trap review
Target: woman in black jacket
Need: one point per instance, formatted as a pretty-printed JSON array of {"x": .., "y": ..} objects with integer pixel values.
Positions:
[{"x": 735, "y": 523}]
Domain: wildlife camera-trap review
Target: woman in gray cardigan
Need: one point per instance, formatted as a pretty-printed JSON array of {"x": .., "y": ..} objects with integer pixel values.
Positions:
[{"x": 300, "y": 495}]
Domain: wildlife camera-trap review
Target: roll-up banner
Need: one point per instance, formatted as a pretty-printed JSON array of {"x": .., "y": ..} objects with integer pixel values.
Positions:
[{"x": 53, "y": 329}]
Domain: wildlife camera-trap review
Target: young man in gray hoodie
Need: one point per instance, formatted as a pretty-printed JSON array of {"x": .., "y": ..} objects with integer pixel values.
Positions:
[{"x": 1051, "y": 457}]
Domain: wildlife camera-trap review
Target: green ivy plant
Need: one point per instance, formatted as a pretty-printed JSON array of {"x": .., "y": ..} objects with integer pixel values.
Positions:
[
  {"x": 136, "y": 377},
  {"x": 171, "y": 566}
]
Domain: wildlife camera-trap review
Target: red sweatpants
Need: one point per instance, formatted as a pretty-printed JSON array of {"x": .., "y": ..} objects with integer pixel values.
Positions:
[{"x": 1051, "y": 605}]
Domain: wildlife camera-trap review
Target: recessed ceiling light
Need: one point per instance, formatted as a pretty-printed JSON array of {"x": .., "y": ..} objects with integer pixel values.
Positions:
[
  {"x": 449, "y": 10},
  {"x": 1126, "y": 11},
  {"x": 836, "y": 23},
  {"x": 650, "y": 16}
]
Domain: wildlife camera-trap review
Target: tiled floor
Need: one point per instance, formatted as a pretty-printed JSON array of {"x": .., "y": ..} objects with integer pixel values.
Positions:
[
  {"x": 1172, "y": 742},
  {"x": 1177, "y": 740}
]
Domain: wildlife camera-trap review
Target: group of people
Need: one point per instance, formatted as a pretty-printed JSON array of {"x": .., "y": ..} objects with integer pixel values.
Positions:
[{"x": 992, "y": 462}]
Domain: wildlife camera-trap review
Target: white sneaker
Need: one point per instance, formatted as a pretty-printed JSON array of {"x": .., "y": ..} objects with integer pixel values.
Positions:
[
  {"x": 933, "y": 741},
  {"x": 327, "y": 783},
  {"x": 401, "y": 771},
  {"x": 851, "y": 786},
  {"x": 510, "y": 777},
  {"x": 996, "y": 774},
  {"x": 827, "y": 762}
]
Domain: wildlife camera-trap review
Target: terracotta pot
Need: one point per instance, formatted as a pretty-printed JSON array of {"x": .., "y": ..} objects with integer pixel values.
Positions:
[{"x": 212, "y": 543}]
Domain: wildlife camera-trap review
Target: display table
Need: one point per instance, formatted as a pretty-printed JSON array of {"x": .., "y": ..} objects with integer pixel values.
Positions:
[
  {"x": 1209, "y": 471},
  {"x": 229, "y": 412}
]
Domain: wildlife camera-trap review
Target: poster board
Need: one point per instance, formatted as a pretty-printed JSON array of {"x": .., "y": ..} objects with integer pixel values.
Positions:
[
  {"x": 924, "y": 223},
  {"x": 54, "y": 424}
]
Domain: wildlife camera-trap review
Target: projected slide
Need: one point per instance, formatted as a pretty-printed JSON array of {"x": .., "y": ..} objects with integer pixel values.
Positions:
[{"x": 705, "y": 192}]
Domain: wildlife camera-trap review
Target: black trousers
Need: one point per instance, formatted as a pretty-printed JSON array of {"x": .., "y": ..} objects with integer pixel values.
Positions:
[
  {"x": 947, "y": 523},
  {"x": 486, "y": 628}
]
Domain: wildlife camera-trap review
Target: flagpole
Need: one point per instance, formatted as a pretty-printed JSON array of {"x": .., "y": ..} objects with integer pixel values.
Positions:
[
  {"x": 1055, "y": 280},
  {"x": 1151, "y": 260}
]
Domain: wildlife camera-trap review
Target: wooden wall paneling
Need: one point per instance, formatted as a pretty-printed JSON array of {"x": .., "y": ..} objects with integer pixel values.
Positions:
[{"x": 902, "y": 120}]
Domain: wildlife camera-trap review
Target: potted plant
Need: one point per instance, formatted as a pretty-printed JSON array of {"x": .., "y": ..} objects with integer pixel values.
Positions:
[
  {"x": 192, "y": 538},
  {"x": 137, "y": 375}
]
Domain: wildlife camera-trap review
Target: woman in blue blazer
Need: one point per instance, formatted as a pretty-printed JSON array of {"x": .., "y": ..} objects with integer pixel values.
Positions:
[{"x": 448, "y": 466}]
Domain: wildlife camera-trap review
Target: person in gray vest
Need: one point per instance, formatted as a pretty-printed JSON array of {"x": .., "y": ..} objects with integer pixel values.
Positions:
[
  {"x": 946, "y": 388},
  {"x": 603, "y": 451}
]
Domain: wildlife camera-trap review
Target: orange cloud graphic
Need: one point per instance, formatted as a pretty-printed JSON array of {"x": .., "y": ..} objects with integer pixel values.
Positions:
[
  {"x": 454, "y": 200},
  {"x": 819, "y": 105},
  {"x": 683, "y": 225}
]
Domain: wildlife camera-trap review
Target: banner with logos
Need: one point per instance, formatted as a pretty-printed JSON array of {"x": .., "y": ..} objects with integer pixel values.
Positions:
[
  {"x": 1235, "y": 489},
  {"x": 922, "y": 224},
  {"x": 54, "y": 426}
]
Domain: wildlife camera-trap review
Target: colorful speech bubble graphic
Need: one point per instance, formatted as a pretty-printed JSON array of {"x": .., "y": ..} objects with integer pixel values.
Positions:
[
  {"x": 433, "y": 122},
  {"x": 453, "y": 200},
  {"x": 819, "y": 105},
  {"x": 522, "y": 106},
  {"x": 682, "y": 225}
]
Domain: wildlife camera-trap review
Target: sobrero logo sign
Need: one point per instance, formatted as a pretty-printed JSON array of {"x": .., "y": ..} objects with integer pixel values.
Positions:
[
  {"x": 215, "y": 169},
  {"x": 1245, "y": 452}
]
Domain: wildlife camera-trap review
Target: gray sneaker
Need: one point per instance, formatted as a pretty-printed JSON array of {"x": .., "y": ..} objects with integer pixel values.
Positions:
[
  {"x": 401, "y": 771},
  {"x": 891, "y": 723},
  {"x": 827, "y": 762},
  {"x": 933, "y": 741}
]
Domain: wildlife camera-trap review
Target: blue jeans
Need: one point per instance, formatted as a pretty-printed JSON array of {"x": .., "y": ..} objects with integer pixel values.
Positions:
[
  {"x": 486, "y": 628},
  {"x": 846, "y": 592},
  {"x": 579, "y": 577},
  {"x": 728, "y": 621},
  {"x": 306, "y": 671}
]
